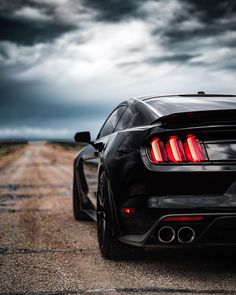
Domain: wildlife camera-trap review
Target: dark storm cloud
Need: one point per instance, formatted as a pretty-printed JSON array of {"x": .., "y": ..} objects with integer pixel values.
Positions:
[
  {"x": 28, "y": 112},
  {"x": 178, "y": 58},
  {"x": 30, "y": 30},
  {"x": 27, "y": 106},
  {"x": 216, "y": 18},
  {"x": 211, "y": 10},
  {"x": 207, "y": 11},
  {"x": 28, "y": 33},
  {"x": 113, "y": 10},
  {"x": 230, "y": 66},
  {"x": 7, "y": 6},
  {"x": 10, "y": 7},
  {"x": 175, "y": 34},
  {"x": 154, "y": 60},
  {"x": 196, "y": 20}
]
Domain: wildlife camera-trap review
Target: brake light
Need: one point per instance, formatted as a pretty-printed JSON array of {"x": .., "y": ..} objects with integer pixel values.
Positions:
[
  {"x": 193, "y": 149},
  {"x": 176, "y": 150},
  {"x": 128, "y": 210},
  {"x": 183, "y": 218},
  {"x": 157, "y": 151}
]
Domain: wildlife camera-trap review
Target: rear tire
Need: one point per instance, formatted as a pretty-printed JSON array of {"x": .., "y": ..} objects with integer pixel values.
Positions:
[
  {"x": 79, "y": 214},
  {"x": 110, "y": 246}
]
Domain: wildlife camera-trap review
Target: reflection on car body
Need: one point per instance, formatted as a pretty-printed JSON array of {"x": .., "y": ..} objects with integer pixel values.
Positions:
[{"x": 162, "y": 172}]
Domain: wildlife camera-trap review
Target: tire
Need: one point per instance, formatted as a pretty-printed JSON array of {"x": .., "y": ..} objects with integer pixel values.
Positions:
[
  {"x": 110, "y": 247},
  {"x": 79, "y": 214}
]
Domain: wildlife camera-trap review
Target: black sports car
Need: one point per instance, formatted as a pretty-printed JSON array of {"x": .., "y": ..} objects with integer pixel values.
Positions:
[{"x": 162, "y": 172}]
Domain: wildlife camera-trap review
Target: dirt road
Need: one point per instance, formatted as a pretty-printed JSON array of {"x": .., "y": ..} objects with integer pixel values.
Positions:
[{"x": 43, "y": 250}]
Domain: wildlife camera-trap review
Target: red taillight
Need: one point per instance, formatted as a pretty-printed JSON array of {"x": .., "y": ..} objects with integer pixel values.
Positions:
[
  {"x": 176, "y": 150},
  {"x": 183, "y": 218},
  {"x": 193, "y": 149},
  {"x": 128, "y": 211},
  {"x": 157, "y": 151}
]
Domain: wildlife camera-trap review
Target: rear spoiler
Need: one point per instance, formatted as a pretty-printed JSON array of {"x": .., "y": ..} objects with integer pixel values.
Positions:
[{"x": 188, "y": 119}]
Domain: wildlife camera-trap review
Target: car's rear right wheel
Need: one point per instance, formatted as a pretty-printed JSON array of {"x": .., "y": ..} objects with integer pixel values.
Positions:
[{"x": 110, "y": 246}]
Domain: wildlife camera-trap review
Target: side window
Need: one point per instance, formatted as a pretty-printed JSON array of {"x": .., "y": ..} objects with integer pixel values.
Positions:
[
  {"x": 111, "y": 122},
  {"x": 125, "y": 121}
]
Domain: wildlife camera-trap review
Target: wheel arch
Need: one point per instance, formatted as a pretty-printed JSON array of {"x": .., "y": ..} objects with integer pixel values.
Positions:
[{"x": 112, "y": 205}]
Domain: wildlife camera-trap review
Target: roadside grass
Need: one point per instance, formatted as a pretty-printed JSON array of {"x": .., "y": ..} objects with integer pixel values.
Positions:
[
  {"x": 10, "y": 147},
  {"x": 68, "y": 146}
]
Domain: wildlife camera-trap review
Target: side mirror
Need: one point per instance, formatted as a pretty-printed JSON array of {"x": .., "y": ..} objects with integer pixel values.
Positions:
[{"x": 82, "y": 137}]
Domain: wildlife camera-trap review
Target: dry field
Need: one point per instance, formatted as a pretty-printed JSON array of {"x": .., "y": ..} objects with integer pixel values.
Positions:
[{"x": 43, "y": 250}]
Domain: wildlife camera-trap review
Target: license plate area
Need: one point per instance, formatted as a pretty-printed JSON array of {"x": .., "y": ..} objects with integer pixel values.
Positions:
[{"x": 221, "y": 151}]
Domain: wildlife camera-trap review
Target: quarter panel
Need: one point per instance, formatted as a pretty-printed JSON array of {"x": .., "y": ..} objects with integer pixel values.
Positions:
[{"x": 86, "y": 165}]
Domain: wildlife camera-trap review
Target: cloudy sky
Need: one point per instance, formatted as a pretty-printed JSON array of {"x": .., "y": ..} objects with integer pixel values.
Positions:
[{"x": 64, "y": 64}]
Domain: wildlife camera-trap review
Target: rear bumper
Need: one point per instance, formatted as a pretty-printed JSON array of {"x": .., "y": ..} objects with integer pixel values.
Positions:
[{"x": 217, "y": 228}]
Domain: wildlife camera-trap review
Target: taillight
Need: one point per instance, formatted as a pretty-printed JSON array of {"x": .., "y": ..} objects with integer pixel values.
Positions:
[
  {"x": 157, "y": 151},
  {"x": 128, "y": 210},
  {"x": 176, "y": 150},
  {"x": 183, "y": 218},
  {"x": 193, "y": 149}
]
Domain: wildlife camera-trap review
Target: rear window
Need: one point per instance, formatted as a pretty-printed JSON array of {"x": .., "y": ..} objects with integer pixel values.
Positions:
[{"x": 179, "y": 104}]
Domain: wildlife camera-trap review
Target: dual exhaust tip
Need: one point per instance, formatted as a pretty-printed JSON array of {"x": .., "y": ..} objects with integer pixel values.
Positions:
[{"x": 185, "y": 235}]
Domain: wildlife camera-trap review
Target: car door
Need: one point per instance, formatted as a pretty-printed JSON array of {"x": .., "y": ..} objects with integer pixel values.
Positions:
[{"x": 90, "y": 161}]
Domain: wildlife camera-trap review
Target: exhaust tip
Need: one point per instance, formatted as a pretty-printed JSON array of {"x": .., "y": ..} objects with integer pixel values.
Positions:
[
  {"x": 186, "y": 235},
  {"x": 166, "y": 234}
]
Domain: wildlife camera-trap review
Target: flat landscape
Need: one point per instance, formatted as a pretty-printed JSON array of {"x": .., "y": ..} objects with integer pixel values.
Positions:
[{"x": 43, "y": 250}]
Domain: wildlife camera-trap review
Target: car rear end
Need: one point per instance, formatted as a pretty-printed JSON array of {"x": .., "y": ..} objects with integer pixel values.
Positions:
[{"x": 187, "y": 187}]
